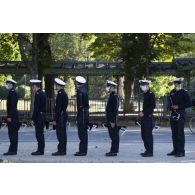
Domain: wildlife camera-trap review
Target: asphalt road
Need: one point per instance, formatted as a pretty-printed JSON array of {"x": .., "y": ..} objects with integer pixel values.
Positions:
[{"x": 131, "y": 146}]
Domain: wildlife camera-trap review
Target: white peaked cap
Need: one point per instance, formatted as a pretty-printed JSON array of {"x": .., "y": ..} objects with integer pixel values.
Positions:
[
  {"x": 111, "y": 83},
  {"x": 178, "y": 79},
  {"x": 80, "y": 79},
  {"x": 144, "y": 81},
  {"x": 11, "y": 81},
  {"x": 35, "y": 81},
  {"x": 59, "y": 82}
]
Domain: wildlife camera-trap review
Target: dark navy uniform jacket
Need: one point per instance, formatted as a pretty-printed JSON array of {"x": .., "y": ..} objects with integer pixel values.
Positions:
[
  {"x": 12, "y": 101},
  {"x": 61, "y": 104},
  {"x": 39, "y": 104},
  {"x": 149, "y": 103},
  {"x": 180, "y": 98},
  {"x": 112, "y": 107},
  {"x": 82, "y": 98}
]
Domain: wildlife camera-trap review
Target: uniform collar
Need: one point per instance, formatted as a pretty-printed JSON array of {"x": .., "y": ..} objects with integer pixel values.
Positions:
[
  {"x": 147, "y": 92},
  {"x": 113, "y": 92},
  {"x": 175, "y": 91},
  {"x": 38, "y": 91},
  {"x": 12, "y": 89},
  {"x": 81, "y": 87},
  {"x": 60, "y": 91}
]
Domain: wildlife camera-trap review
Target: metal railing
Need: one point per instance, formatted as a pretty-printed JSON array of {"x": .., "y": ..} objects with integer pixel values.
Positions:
[{"x": 97, "y": 106}]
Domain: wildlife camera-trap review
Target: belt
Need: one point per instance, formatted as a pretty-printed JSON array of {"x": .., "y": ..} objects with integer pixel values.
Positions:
[
  {"x": 82, "y": 108},
  {"x": 63, "y": 112},
  {"x": 42, "y": 112}
]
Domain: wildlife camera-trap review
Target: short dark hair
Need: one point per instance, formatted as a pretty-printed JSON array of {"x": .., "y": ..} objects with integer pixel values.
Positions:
[{"x": 36, "y": 84}]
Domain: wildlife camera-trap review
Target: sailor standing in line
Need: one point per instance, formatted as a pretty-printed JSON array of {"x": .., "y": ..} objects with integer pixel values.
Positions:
[
  {"x": 149, "y": 104},
  {"x": 82, "y": 115},
  {"x": 12, "y": 117},
  {"x": 178, "y": 101},
  {"x": 61, "y": 116},
  {"x": 111, "y": 117},
  {"x": 38, "y": 116}
]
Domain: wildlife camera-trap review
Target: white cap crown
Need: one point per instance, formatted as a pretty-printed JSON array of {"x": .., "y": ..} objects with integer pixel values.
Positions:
[
  {"x": 111, "y": 83},
  {"x": 11, "y": 81},
  {"x": 178, "y": 79},
  {"x": 59, "y": 82},
  {"x": 80, "y": 79},
  {"x": 35, "y": 81},
  {"x": 144, "y": 82}
]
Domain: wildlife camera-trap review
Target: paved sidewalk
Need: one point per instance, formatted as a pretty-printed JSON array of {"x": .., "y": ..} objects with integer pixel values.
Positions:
[{"x": 99, "y": 143}]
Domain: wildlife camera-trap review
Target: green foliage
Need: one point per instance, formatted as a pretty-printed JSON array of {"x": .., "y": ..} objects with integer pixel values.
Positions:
[
  {"x": 160, "y": 85},
  {"x": 70, "y": 87},
  {"x": 171, "y": 45},
  {"x": 23, "y": 92},
  {"x": 96, "y": 86},
  {"x": 2, "y": 79},
  {"x": 139, "y": 49},
  {"x": 189, "y": 43},
  {"x": 136, "y": 50},
  {"x": 3, "y": 92},
  {"x": 22, "y": 87},
  {"x": 70, "y": 45},
  {"x": 43, "y": 51},
  {"x": 106, "y": 46},
  {"x": 9, "y": 49}
]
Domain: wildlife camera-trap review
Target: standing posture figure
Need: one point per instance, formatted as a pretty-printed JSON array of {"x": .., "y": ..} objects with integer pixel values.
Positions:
[
  {"x": 149, "y": 104},
  {"x": 111, "y": 117},
  {"x": 12, "y": 117},
  {"x": 38, "y": 116},
  {"x": 61, "y": 116},
  {"x": 178, "y": 101},
  {"x": 82, "y": 115}
]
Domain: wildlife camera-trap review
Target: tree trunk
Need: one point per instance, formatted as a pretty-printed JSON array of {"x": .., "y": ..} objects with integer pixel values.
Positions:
[
  {"x": 44, "y": 60},
  {"x": 41, "y": 59},
  {"x": 121, "y": 87},
  {"x": 128, "y": 90},
  {"x": 32, "y": 65}
]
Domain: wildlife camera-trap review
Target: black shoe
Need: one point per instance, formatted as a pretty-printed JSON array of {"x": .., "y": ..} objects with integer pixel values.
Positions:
[
  {"x": 1, "y": 160},
  {"x": 173, "y": 153},
  {"x": 180, "y": 154},
  {"x": 146, "y": 154},
  {"x": 37, "y": 153},
  {"x": 58, "y": 154},
  {"x": 10, "y": 153},
  {"x": 109, "y": 154},
  {"x": 80, "y": 154},
  {"x": 142, "y": 153}
]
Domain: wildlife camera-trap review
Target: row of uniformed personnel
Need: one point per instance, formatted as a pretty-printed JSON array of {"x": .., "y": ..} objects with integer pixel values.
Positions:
[{"x": 178, "y": 101}]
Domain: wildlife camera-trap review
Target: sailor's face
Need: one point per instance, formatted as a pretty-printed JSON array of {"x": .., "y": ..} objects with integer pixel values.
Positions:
[
  {"x": 57, "y": 87},
  {"x": 78, "y": 85},
  {"x": 34, "y": 88},
  {"x": 178, "y": 86},
  {"x": 144, "y": 88},
  {"x": 9, "y": 86},
  {"x": 107, "y": 88}
]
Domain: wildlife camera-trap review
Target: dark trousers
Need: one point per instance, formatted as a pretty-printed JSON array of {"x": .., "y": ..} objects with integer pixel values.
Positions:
[
  {"x": 61, "y": 132},
  {"x": 146, "y": 133},
  {"x": 13, "y": 128},
  {"x": 178, "y": 136},
  {"x": 114, "y": 136},
  {"x": 82, "y": 125},
  {"x": 39, "y": 131}
]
